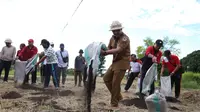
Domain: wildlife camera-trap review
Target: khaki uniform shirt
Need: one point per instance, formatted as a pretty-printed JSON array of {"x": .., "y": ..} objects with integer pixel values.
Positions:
[{"x": 121, "y": 59}]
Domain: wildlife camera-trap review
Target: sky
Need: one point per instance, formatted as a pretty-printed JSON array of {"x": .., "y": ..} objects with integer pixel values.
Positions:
[{"x": 21, "y": 20}]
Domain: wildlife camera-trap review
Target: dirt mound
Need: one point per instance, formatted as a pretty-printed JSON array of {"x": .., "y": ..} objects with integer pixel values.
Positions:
[
  {"x": 66, "y": 93},
  {"x": 11, "y": 95},
  {"x": 54, "y": 92},
  {"x": 139, "y": 103},
  {"x": 191, "y": 97}
]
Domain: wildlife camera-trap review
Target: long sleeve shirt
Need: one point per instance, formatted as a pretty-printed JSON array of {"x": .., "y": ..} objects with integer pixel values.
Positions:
[{"x": 8, "y": 53}]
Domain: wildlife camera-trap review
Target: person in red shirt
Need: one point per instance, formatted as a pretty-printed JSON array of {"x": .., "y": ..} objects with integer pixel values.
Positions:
[
  {"x": 172, "y": 63},
  {"x": 152, "y": 55},
  {"x": 18, "y": 52},
  {"x": 27, "y": 53}
]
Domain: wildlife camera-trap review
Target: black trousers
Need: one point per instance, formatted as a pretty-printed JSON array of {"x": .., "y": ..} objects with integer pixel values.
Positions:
[
  {"x": 33, "y": 78},
  {"x": 84, "y": 75},
  {"x": 131, "y": 79},
  {"x": 5, "y": 65},
  {"x": 176, "y": 79},
  {"x": 152, "y": 88},
  {"x": 51, "y": 70}
]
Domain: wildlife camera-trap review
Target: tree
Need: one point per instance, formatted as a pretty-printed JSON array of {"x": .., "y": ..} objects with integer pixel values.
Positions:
[
  {"x": 140, "y": 51},
  {"x": 192, "y": 61},
  {"x": 169, "y": 44},
  {"x": 101, "y": 65}
]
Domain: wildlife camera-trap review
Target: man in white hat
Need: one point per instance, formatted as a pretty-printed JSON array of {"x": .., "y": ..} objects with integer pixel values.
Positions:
[
  {"x": 7, "y": 57},
  {"x": 119, "y": 47}
]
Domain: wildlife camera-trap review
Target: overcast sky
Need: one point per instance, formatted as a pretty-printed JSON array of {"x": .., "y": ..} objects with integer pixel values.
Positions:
[{"x": 21, "y": 20}]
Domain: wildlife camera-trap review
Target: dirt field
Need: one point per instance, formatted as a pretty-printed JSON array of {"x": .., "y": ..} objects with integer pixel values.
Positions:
[{"x": 71, "y": 99}]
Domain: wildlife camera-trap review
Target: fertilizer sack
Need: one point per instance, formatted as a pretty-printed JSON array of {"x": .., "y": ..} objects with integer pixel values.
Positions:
[
  {"x": 19, "y": 74},
  {"x": 166, "y": 86},
  {"x": 30, "y": 66},
  {"x": 149, "y": 78},
  {"x": 93, "y": 53},
  {"x": 156, "y": 103},
  {"x": 138, "y": 85}
]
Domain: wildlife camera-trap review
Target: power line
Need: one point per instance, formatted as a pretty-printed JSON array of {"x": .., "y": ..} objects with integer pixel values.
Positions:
[{"x": 73, "y": 14}]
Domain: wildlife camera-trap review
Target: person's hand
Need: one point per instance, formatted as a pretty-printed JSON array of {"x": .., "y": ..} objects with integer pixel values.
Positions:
[
  {"x": 36, "y": 64},
  {"x": 13, "y": 62},
  {"x": 103, "y": 53},
  {"x": 139, "y": 75},
  {"x": 154, "y": 59},
  {"x": 171, "y": 74},
  {"x": 16, "y": 58},
  {"x": 161, "y": 74}
]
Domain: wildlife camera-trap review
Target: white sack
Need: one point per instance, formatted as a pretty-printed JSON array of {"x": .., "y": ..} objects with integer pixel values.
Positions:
[
  {"x": 156, "y": 103},
  {"x": 149, "y": 78},
  {"x": 19, "y": 73},
  {"x": 138, "y": 86},
  {"x": 92, "y": 52},
  {"x": 166, "y": 86}
]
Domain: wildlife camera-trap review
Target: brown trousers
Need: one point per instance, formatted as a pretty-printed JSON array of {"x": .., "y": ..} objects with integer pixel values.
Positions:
[
  {"x": 113, "y": 79},
  {"x": 78, "y": 74}
]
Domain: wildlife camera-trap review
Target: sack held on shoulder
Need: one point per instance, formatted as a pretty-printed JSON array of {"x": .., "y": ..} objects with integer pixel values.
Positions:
[{"x": 65, "y": 59}]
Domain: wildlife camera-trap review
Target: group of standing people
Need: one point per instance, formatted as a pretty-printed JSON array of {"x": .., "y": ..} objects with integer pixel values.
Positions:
[
  {"x": 119, "y": 47},
  {"x": 51, "y": 62}
]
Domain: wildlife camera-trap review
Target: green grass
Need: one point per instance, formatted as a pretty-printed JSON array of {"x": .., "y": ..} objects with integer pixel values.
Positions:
[
  {"x": 11, "y": 73},
  {"x": 191, "y": 80}
]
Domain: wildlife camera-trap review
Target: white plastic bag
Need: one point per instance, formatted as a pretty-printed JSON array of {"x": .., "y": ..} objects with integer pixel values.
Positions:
[
  {"x": 156, "y": 103},
  {"x": 138, "y": 86},
  {"x": 149, "y": 78},
  {"x": 92, "y": 52},
  {"x": 19, "y": 73},
  {"x": 166, "y": 86}
]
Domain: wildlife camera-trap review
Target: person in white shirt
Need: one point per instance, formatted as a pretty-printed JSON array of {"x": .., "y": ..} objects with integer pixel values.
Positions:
[
  {"x": 7, "y": 57},
  {"x": 63, "y": 60},
  {"x": 51, "y": 64},
  {"x": 135, "y": 68},
  {"x": 43, "y": 65}
]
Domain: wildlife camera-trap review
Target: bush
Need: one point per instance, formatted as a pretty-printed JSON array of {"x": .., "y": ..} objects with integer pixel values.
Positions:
[{"x": 191, "y": 80}]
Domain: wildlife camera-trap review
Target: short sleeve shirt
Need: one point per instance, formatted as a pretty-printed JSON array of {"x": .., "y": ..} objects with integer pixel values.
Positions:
[
  {"x": 51, "y": 56},
  {"x": 172, "y": 63},
  {"x": 151, "y": 50}
]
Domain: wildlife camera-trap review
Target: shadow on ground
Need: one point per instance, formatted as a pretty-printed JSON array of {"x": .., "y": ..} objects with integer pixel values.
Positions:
[
  {"x": 175, "y": 108},
  {"x": 53, "y": 92},
  {"x": 139, "y": 103},
  {"x": 172, "y": 100},
  {"x": 30, "y": 87}
]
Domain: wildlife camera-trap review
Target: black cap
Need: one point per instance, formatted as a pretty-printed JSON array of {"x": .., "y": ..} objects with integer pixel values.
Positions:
[
  {"x": 44, "y": 41},
  {"x": 81, "y": 51},
  {"x": 167, "y": 53},
  {"x": 159, "y": 43},
  {"x": 62, "y": 45}
]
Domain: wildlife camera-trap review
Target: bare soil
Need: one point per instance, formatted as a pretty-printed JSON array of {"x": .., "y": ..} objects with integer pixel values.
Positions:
[{"x": 29, "y": 98}]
